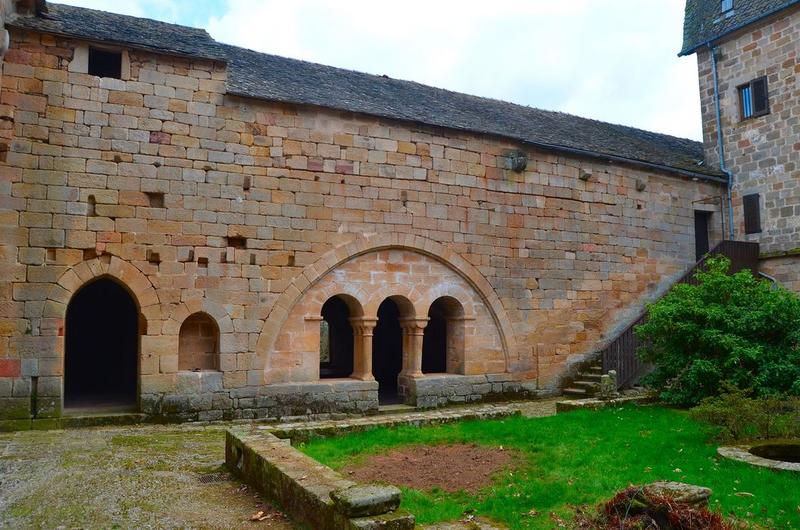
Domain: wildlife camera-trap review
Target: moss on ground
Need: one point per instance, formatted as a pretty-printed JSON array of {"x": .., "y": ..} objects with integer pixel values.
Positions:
[{"x": 122, "y": 477}]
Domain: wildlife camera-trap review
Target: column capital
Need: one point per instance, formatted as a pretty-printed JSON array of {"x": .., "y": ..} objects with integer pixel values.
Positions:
[
  {"x": 363, "y": 325},
  {"x": 414, "y": 325}
]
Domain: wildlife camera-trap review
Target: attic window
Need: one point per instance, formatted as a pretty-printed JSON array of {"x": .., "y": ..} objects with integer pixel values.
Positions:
[
  {"x": 753, "y": 99},
  {"x": 727, "y": 5},
  {"x": 104, "y": 63}
]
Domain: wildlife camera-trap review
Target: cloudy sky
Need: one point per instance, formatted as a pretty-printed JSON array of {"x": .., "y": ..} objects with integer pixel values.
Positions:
[{"x": 613, "y": 60}]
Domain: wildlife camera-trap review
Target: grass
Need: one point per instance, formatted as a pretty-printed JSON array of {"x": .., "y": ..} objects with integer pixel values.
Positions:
[{"x": 581, "y": 458}]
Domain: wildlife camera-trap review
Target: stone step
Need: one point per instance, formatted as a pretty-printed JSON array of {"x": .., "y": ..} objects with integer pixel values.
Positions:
[
  {"x": 588, "y": 385},
  {"x": 575, "y": 392},
  {"x": 583, "y": 376}
]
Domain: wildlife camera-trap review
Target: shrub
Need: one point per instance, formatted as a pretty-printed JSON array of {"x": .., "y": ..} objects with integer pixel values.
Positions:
[
  {"x": 737, "y": 416},
  {"x": 727, "y": 328}
]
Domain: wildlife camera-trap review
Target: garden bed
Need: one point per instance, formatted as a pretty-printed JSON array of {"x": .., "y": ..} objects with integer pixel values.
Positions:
[
  {"x": 565, "y": 462},
  {"x": 456, "y": 467}
]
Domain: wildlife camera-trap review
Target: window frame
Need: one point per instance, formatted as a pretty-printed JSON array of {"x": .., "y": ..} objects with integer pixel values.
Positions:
[{"x": 749, "y": 88}]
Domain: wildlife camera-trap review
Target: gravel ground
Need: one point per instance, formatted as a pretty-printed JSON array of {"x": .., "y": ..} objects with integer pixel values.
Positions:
[
  {"x": 146, "y": 476},
  {"x": 124, "y": 477}
]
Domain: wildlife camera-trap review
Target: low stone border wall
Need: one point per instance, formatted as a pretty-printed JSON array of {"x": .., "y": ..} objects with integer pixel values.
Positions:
[
  {"x": 438, "y": 390},
  {"x": 303, "y": 431},
  {"x": 308, "y": 491},
  {"x": 597, "y": 403},
  {"x": 314, "y": 494},
  {"x": 200, "y": 397}
]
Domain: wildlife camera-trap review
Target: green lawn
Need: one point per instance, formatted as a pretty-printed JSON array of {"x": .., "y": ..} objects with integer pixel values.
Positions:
[{"x": 578, "y": 458}]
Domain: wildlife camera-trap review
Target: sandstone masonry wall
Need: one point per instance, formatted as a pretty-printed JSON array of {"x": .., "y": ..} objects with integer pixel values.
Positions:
[
  {"x": 197, "y": 201},
  {"x": 763, "y": 153}
]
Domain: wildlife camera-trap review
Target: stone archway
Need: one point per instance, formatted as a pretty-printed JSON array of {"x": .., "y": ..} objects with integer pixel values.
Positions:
[
  {"x": 129, "y": 279},
  {"x": 101, "y": 350},
  {"x": 287, "y": 350}
]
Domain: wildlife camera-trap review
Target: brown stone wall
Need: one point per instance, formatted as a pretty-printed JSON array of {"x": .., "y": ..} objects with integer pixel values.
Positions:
[
  {"x": 763, "y": 153},
  {"x": 246, "y": 210}
]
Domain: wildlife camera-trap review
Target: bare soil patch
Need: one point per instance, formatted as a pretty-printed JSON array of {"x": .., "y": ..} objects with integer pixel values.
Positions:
[{"x": 451, "y": 468}]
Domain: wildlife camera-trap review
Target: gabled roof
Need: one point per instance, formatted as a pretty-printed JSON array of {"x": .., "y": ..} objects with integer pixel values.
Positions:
[
  {"x": 275, "y": 78},
  {"x": 100, "y": 26},
  {"x": 704, "y": 21},
  {"x": 270, "y": 77}
]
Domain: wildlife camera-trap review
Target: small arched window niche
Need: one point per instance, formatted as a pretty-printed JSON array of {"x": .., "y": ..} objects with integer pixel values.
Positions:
[
  {"x": 443, "y": 342},
  {"x": 198, "y": 344},
  {"x": 336, "y": 341}
]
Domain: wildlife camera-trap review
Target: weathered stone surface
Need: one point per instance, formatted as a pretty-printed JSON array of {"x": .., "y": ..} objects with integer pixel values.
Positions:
[
  {"x": 366, "y": 499},
  {"x": 761, "y": 152},
  {"x": 303, "y": 487},
  {"x": 680, "y": 492},
  {"x": 256, "y": 214}
]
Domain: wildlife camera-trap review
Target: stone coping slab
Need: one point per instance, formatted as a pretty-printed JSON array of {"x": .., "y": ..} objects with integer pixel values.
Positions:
[
  {"x": 597, "y": 403},
  {"x": 303, "y": 431},
  {"x": 306, "y": 489},
  {"x": 742, "y": 453}
]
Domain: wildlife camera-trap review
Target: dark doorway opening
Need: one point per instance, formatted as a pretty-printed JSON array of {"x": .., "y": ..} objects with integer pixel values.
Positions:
[
  {"x": 701, "y": 225},
  {"x": 443, "y": 342},
  {"x": 434, "y": 342},
  {"x": 101, "y": 349},
  {"x": 387, "y": 352},
  {"x": 336, "y": 340}
]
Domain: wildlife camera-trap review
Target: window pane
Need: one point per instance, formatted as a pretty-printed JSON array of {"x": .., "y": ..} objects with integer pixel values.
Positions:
[
  {"x": 727, "y": 5},
  {"x": 745, "y": 95}
]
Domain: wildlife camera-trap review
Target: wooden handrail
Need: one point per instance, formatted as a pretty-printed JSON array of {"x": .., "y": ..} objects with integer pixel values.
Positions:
[{"x": 620, "y": 353}]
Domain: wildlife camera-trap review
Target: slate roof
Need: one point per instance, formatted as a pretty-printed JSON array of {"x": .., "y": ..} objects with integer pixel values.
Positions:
[
  {"x": 93, "y": 25},
  {"x": 270, "y": 77},
  {"x": 704, "y": 21}
]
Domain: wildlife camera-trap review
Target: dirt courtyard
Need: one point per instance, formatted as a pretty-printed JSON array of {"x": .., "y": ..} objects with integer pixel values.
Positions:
[{"x": 124, "y": 477}]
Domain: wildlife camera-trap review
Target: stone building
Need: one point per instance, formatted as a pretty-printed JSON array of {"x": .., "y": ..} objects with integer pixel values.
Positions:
[
  {"x": 197, "y": 230},
  {"x": 748, "y": 57}
]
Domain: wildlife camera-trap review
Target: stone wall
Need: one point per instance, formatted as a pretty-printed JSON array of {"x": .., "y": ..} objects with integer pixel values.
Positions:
[
  {"x": 436, "y": 390},
  {"x": 784, "y": 269},
  {"x": 763, "y": 153},
  {"x": 195, "y": 200}
]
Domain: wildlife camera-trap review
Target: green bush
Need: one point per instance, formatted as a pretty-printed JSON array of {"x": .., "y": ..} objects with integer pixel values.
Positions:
[
  {"x": 735, "y": 329},
  {"x": 737, "y": 416}
]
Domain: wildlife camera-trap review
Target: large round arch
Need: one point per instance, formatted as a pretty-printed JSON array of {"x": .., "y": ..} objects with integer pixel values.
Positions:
[{"x": 313, "y": 273}]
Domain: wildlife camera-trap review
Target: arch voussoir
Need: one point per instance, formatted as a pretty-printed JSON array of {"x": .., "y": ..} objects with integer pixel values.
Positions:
[{"x": 336, "y": 257}]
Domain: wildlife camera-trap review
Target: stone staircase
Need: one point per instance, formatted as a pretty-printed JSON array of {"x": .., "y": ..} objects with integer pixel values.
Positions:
[{"x": 586, "y": 383}]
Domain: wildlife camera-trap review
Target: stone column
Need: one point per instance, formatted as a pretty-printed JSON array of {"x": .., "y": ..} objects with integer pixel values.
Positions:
[
  {"x": 363, "y": 328},
  {"x": 413, "y": 331}
]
